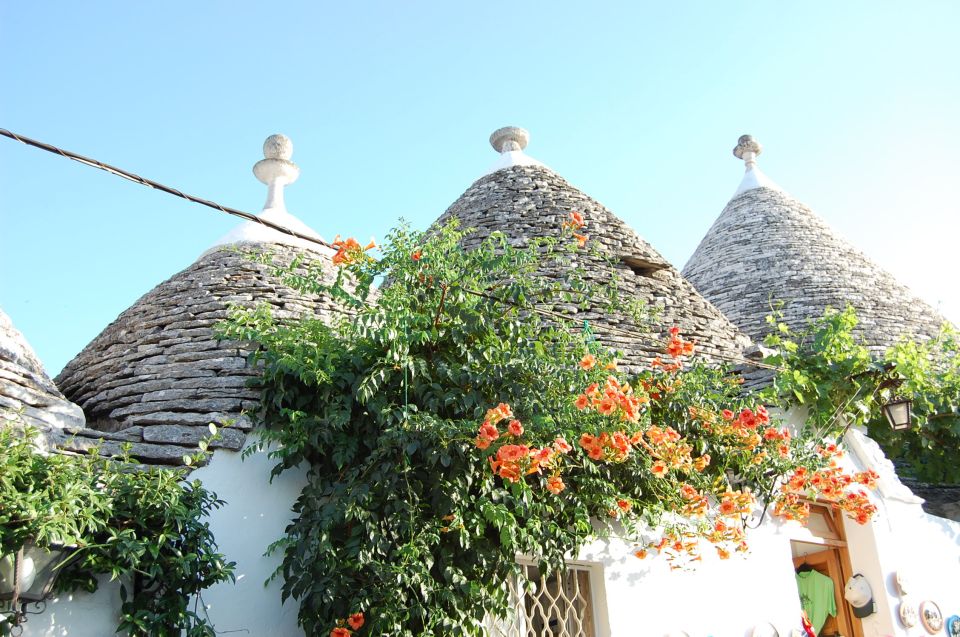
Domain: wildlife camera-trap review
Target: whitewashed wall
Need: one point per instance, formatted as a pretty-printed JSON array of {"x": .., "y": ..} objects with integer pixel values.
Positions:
[
  {"x": 901, "y": 539},
  {"x": 923, "y": 547},
  {"x": 719, "y": 598},
  {"x": 644, "y": 598},
  {"x": 256, "y": 515},
  {"x": 78, "y": 614}
]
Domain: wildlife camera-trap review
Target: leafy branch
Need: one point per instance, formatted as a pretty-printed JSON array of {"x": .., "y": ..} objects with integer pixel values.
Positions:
[{"x": 830, "y": 370}]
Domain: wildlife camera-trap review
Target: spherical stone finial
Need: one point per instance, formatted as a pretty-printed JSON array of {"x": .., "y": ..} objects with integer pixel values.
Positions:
[
  {"x": 509, "y": 138},
  {"x": 278, "y": 147},
  {"x": 276, "y": 167},
  {"x": 747, "y": 144},
  {"x": 276, "y": 170}
]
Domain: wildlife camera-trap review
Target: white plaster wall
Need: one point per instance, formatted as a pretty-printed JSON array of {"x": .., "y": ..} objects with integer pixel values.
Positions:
[
  {"x": 714, "y": 598},
  {"x": 78, "y": 614},
  {"x": 930, "y": 555},
  {"x": 718, "y": 598},
  {"x": 901, "y": 538},
  {"x": 644, "y": 598},
  {"x": 256, "y": 514},
  {"x": 925, "y": 548}
]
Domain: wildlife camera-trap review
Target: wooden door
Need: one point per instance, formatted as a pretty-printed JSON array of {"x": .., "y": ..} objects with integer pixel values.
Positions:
[{"x": 828, "y": 563}]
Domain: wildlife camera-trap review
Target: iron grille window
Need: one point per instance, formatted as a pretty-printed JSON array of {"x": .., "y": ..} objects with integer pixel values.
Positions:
[{"x": 559, "y": 604}]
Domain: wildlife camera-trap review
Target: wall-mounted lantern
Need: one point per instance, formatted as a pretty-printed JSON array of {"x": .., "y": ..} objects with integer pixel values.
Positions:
[
  {"x": 897, "y": 408},
  {"x": 27, "y": 577}
]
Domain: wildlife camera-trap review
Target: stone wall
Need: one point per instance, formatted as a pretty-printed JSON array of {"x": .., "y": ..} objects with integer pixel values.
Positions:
[{"x": 942, "y": 500}]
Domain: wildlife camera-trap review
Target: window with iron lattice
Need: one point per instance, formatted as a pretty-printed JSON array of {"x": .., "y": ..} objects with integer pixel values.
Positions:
[{"x": 557, "y": 604}]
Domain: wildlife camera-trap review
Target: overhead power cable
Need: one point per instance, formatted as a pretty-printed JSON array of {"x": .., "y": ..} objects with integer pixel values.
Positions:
[{"x": 143, "y": 181}]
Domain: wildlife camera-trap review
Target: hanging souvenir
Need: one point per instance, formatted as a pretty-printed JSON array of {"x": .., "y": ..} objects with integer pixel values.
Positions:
[
  {"x": 930, "y": 617},
  {"x": 953, "y": 626},
  {"x": 903, "y": 584},
  {"x": 908, "y": 614}
]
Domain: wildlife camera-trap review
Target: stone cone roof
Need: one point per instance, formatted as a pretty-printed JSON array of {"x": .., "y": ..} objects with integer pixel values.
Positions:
[
  {"x": 157, "y": 376},
  {"x": 525, "y": 201},
  {"x": 25, "y": 387},
  {"x": 766, "y": 247}
]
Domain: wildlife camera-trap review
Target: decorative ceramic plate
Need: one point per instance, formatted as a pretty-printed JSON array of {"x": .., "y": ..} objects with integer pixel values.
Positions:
[
  {"x": 931, "y": 617},
  {"x": 908, "y": 614}
]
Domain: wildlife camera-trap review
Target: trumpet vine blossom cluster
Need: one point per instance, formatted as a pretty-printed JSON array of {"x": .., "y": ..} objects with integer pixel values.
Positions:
[
  {"x": 349, "y": 251},
  {"x": 514, "y": 461},
  {"x": 575, "y": 224},
  {"x": 847, "y": 492},
  {"x": 707, "y": 510}
]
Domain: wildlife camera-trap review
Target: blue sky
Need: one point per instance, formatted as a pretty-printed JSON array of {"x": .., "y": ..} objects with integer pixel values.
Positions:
[{"x": 390, "y": 105}]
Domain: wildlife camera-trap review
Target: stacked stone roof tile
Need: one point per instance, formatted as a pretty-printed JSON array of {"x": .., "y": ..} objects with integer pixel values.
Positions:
[
  {"x": 26, "y": 389},
  {"x": 767, "y": 248},
  {"x": 157, "y": 376},
  {"x": 942, "y": 500},
  {"x": 525, "y": 201}
]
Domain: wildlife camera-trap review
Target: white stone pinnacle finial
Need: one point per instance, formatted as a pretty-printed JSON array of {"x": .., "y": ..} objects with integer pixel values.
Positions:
[
  {"x": 276, "y": 170},
  {"x": 510, "y": 141},
  {"x": 509, "y": 138},
  {"x": 747, "y": 149}
]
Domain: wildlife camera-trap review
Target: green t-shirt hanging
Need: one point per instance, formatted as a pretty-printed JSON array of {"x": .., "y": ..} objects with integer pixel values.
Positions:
[{"x": 816, "y": 597}]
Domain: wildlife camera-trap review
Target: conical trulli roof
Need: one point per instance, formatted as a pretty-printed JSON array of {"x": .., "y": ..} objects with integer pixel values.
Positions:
[
  {"x": 768, "y": 248},
  {"x": 157, "y": 376},
  {"x": 26, "y": 389},
  {"x": 523, "y": 198}
]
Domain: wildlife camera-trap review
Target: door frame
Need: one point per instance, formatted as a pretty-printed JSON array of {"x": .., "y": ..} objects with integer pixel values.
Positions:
[{"x": 837, "y": 565}]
